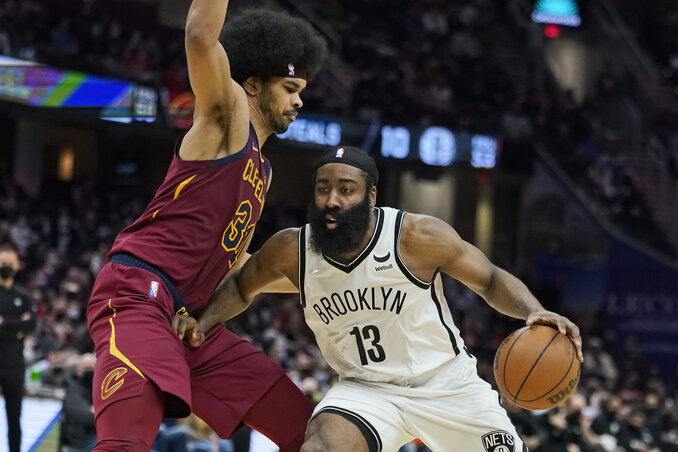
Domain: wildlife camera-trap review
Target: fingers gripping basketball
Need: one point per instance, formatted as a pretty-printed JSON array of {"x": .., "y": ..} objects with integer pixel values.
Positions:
[{"x": 536, "y": 367}]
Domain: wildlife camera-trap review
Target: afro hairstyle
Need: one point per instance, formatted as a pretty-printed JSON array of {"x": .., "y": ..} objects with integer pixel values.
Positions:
[{"x": 261, "y": 43}]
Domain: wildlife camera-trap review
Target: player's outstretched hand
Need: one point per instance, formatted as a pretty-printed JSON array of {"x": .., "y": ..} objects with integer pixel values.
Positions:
[
  {"x": 188, "y": 330},
  {"x": 562, "y": 323}
]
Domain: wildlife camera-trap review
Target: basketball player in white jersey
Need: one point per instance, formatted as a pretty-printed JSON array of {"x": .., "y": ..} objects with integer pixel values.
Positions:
[{"x": 370, "y": 286}]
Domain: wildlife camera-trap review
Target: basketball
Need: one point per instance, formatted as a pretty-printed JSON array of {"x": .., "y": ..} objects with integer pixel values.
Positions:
[{"x": 536, "y": 367}]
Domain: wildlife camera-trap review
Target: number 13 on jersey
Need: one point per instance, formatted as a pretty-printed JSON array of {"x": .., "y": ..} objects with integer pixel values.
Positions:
[{"x": 369, "y": 334}]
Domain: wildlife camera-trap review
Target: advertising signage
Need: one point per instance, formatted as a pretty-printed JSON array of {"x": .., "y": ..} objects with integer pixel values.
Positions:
[
  {"x": 38, "y": 85},
  {"x": 435, "y": 145}
]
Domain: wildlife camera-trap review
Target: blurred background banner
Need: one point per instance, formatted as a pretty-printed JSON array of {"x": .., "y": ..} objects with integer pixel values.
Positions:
[{"x": 642, "y": 307}]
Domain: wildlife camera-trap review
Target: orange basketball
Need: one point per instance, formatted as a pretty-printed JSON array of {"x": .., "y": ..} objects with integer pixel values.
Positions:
[{"x": 536, "y": 367}]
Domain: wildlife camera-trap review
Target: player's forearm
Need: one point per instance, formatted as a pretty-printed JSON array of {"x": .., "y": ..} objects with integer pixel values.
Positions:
[
  {"x": 204, "y": 22},
  {"x": 225, "y": 303},
  {"x": 283, "y": 285},
  {"x": 508, "y": 295}
]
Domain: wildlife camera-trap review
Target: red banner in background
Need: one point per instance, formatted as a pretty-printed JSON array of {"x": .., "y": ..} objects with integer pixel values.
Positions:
[{"x": 180, "y": 108}]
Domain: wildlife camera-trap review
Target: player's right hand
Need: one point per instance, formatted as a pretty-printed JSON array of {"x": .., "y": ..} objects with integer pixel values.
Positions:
[{"x": 188, "y": 330}]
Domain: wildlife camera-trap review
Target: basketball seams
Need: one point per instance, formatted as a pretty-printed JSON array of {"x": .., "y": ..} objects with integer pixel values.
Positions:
[
  {"x": 515, "y": 398},
  {"x": 508, "y": 352},
  {"x": 544, "y": 366},
  {"x": 567, "y": 372}
]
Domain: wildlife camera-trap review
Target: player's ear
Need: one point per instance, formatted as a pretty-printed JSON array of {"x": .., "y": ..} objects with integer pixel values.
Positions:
[
  {"x": 252, "y": 86},
  {"x": 373, "y": 196}
]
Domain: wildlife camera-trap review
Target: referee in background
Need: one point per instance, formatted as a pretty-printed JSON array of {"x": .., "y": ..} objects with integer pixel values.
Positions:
[{"x": 17, "y": 318}]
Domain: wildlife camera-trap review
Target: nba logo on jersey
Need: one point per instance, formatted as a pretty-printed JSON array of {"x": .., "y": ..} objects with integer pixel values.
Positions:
[
  {"x": 498, "y": 441},
  {"x": 340, "y": 153},
  {"x": 290, "y": 70},
  {"x": 153, "y": 290}
]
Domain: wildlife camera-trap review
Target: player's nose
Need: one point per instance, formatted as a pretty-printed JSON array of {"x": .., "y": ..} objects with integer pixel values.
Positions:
[
  {"x": 296, "y": 101},
  {"x": 332, "y": 200}
]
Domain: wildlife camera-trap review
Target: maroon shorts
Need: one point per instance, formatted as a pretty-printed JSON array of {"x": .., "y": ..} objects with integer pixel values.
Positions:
[{"x": 129, "y": 317}]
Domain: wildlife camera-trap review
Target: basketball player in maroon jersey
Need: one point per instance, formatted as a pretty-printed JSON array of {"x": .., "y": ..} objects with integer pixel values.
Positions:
[{"x": 196, "y": 229}]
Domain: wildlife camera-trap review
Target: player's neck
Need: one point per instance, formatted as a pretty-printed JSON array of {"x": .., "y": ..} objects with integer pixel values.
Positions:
[{"x": 260, "y": 125}]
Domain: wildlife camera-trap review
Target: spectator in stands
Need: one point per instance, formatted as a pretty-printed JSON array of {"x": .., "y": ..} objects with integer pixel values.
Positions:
[
  {"x": 77, "y": 417},
  {"x": 17, "y": 318},
  {"x": 599, "y": 362}
]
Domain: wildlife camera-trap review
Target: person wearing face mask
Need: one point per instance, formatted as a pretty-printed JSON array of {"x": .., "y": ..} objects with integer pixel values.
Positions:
[
  {"x": 17, "y": 319},
  {"x": 77, "y": 417}
]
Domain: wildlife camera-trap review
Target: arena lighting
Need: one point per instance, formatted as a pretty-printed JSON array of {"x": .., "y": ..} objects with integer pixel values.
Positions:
[
  {"x": 561, "y": 12},
  {"x": 395, "y": 142},
  {"x": 551, "y": 31},
  {"x": 438, "y": 146}
]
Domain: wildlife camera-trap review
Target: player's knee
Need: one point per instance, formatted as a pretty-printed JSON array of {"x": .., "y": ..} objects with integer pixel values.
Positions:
[{"x": 314, "y": 444}]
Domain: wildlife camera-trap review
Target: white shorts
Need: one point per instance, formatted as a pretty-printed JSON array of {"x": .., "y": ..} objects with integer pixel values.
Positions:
[{"x": 455, "y": 410}]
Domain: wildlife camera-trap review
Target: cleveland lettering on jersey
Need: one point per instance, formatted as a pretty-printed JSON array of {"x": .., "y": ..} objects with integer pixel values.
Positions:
[
  {"x": 367, "y": 299},
  {"x": 251, "y": 175}
]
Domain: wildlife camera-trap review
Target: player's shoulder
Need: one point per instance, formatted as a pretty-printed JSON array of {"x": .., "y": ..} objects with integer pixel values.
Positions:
[
  {"x": 427, "y": 242},
  {"x": 282, "y": 247},
  {"x": 419, "y": 228},
  {"x": 284, "y": 239}
]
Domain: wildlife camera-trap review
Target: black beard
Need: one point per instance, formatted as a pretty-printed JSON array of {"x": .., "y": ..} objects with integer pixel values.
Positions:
[
  {"x": 352, "y": 225},
  {"x": 278, "y": 125}
]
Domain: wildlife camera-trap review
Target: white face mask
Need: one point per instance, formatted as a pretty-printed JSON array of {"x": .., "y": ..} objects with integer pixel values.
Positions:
[{"x": 73, "y": 313}]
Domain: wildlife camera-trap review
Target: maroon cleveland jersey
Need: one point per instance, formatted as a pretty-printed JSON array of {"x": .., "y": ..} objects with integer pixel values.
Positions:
[{"x": 196, "y": 227}]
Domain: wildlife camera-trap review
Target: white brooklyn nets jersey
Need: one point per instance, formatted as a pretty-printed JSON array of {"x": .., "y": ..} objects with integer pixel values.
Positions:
[{"x": 372, "y": 318}]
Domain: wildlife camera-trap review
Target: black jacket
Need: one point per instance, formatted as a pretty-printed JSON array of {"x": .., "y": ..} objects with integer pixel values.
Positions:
[
  {"x": 15, "y": 303},
  {"x": 77, "y": 428}
]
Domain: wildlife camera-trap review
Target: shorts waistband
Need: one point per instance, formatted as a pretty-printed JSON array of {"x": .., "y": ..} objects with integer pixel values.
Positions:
[{"x": 132, "y": 261}]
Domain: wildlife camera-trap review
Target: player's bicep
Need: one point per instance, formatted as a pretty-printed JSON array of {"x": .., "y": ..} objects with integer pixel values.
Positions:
[
  {"x": 276, "y": 259},
  {"x": 210, "y": 76},
  {"x": 471, "y": 267},
  {"x": 438, "y": 247}
]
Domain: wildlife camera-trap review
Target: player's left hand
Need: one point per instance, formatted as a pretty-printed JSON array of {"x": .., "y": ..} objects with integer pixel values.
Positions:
[
  {"x": 188, "y": 330},
  {"x": 562, "y": 323}
]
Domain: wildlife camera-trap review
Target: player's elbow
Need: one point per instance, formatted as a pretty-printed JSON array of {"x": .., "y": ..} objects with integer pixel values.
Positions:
[
  {"x": 198, "y": 34},
  {"x": 491, "y": 283}
]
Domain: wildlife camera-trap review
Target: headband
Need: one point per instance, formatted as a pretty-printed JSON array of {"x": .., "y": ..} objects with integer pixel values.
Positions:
[
  {"x": 352, "y": 156},
  {"x": 291, "y": 71}
]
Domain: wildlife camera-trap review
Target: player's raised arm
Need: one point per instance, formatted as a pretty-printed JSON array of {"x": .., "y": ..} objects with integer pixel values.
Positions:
[
  {"x": 221, "y": 117},
  {"x": 429, "y": 244},
  {"x": 208, "y": 66}
]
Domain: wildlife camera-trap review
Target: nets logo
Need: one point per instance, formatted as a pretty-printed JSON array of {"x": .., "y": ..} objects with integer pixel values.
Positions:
[{"x": 498, "y": 441}]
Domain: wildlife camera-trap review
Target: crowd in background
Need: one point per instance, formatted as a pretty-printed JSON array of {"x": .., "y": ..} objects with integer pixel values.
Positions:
[
  {"x": 63, "y": 237},
  {"x": 424, "y": 62}
]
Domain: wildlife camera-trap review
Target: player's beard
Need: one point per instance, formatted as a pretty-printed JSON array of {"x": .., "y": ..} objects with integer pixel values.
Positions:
[
  {"x": 352, "y": 225},
  {"x": 266, "y": 103}
]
